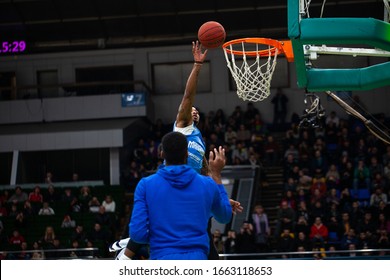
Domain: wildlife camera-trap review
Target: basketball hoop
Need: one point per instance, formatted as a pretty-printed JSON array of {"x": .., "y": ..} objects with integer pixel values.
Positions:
[{"x": 253, "y": 74}]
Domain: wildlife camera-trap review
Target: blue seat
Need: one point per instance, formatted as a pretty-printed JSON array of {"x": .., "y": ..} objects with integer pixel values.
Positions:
[
  {"x": 333, "y": 238},
  {"x": 363, "y": 194}
]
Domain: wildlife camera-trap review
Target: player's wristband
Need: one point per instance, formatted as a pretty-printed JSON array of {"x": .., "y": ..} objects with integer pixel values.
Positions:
[
  {"x": 198, "y": 62},
  {"x": 133, "y": 246}
]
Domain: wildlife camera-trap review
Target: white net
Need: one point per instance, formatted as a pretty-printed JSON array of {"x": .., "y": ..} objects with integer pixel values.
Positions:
[{"x": 252, "y": 75}]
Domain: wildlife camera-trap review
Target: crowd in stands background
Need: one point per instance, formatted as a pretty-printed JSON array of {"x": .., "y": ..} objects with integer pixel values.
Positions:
[{"x": 336, "y": 190}]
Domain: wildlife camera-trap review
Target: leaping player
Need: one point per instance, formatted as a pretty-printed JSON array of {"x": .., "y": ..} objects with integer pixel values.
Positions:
[{"x": 186, "y": 120}]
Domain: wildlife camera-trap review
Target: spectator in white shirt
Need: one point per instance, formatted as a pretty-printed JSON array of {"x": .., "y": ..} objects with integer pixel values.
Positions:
[{"x": 109, "y": 204}]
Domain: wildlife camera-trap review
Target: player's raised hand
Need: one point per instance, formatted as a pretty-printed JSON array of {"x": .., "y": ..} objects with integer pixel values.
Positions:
[
  {"x": 197, "y": 52},
  {"x": 217, "y": 161}
]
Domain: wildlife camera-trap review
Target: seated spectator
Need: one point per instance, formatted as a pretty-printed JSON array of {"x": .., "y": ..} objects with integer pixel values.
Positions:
[
  {"x": 243, "y": 134},
  {"x": 19, "y": 196},
  {"x": 76, "y": 251},
  {"x": 319, "y": 163},
  {"x": 383, "y": 223},
  {"x": 51, "y": 195},
  {"x": 230, "y": 134},
  {"x": 3, "y": 210},
  {"x": 14, "y": 211},
  {"x": 35, "y": 196},
  {"x": 38, "y": 253},
  {"x": 356, "y": 213},
  {"x": 67, "y": 222},
  {"x": 46, "y": 209},
  {"x": 377, "y": 197},
  {"x": 290, "y": 185},
  {"x": 104, "y": 219},
  {"x": 332, "y": 118},
  {"x": 230, "y": 243},
  {"x": 109, "y": 204},
  {"x": 217, "y": 240},
  {"x": 271, "y": 151},
  {"x": 21, "y": 222},
  {"x": 318, "y": 183},
  {"x": 67, "y": 196},
  {"x": 318, "y": 233},
  {"x": 367, "y": 225},
  {"x": 290, "y": 199},
  {"x": 288, "y": 166},
  {"x": 16, "y": 238},
  {"x": 46, "y": 241},
  {"x": 383, "y": 240},
  {"x": 332, "y": 197},
  {"x": 375, "y": 166},
  {"x": 345, "y": 224},
  {"x": 285, "y": 219},
  {"x": 75, "y": 205},
  {"x": 246, "y": 239},
  {"x": 240, "y": 154},
  {"x": 302, "y": 241},
  {"x": 79, "y": 234},
  {"x": 363, "y": 242},
  {"x": 286, "y": 241},
  {"x": 98, "y": 234},
  {"x": 302, "y": 210},
  {"x": 56, "y": 251},
  {"x": 292, "y": 150},
  {"x": 302, "y": 225},
  {"x": 84, "y": 198},
  {"x": 305, "y": 181},
  {"x": 49, "y": 178},
  {"x": 379, "y": 181},
  {"x": 94, "y": 205},
  {"x": 332, "y": 176},
  {"x": 28, "y": 209},
  {"x": 361, "y": 176},
  {"x": 301, "y": 195},
  {"x": 347, "y": 239},
  {"x": 345, "y": 200},
  {"x": 23, "y": 254},
  {"x": 317, "y": 210},
  {"x": 4, "y": 196}
]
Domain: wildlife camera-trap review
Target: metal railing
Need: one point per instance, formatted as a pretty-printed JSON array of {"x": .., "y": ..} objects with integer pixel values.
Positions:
[{"x": 338, "y": 254}]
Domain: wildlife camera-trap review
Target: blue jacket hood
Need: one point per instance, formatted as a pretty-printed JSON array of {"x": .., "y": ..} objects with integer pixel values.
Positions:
[{"x": 179, "y": 176}]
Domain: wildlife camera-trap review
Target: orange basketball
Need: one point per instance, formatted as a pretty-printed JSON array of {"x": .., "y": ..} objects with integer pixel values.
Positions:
[{"x": 211, "y": 34}]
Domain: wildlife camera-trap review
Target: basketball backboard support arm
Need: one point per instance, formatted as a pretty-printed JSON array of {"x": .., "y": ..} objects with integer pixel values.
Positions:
[{"x": 305, "y": 32}]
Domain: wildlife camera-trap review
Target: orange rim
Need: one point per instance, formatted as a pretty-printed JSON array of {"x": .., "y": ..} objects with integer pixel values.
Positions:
[{"x": 283, "y": 47}]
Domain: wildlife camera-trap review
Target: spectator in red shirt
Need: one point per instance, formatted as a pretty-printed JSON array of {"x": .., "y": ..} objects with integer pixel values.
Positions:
[
  {"x": 35, "y": 196},
  {"x": 318, "y": 233},
  {"x": 16, "y": 238}
]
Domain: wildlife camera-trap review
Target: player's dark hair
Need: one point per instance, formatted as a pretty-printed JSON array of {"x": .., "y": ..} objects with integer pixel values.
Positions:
[{"x": 174, "y": 146}]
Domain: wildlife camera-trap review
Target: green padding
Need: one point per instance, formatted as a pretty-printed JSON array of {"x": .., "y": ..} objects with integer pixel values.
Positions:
[
  {"x": 300, "y": 64},
  {"x": 348, "y": 79},
  {"x": 367, "y": 31},
  {"x": 293, "y": 19}
]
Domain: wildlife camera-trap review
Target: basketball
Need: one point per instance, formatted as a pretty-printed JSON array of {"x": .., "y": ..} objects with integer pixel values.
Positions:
[{"x": 211, "y": 34}]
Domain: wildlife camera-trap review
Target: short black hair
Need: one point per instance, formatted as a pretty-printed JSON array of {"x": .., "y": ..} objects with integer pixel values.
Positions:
[{"x": 174, "y": 146}]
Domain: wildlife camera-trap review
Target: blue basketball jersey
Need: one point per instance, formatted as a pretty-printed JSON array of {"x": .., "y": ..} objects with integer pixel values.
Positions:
[{"x": 196, "y": 145}]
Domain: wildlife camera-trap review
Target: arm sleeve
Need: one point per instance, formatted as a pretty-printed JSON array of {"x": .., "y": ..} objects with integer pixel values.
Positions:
[
  {"x": 139, "y": 223},
  {"x": 221, "y": 208}
]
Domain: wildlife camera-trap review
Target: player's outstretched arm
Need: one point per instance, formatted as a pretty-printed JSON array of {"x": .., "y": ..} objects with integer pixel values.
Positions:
[{"x": 184, "y": 116}]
